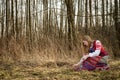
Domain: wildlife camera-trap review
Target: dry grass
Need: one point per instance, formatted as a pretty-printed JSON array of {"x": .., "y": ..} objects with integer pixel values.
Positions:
[
  {"x": 41, "y": 66},
  {"x": 50, "y": 61},
  {"x": 55, "y": 71}
]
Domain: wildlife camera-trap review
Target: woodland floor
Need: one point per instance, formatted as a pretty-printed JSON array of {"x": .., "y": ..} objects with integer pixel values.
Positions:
[{"x": 55, "y": 71}]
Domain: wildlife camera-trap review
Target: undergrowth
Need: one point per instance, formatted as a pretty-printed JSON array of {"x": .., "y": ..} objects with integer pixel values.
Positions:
[{"x": 59, "y": 70}]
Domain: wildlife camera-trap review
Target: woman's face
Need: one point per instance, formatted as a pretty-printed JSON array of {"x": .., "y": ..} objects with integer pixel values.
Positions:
[{"x": 85, "y": 43}]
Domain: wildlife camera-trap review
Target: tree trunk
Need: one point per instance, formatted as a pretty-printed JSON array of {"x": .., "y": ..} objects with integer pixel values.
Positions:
[
  {"x": 12, "y": 18},
  {"x": 86, "y": 17},
  {"x": 30, "y": 17},
  {"x": 117, "y": 24},
  {"x": 111, "y": 12},
  {"x": 61, "y": 20},
  {"x": 103, "y": 18},
  {"x": 16, "y": 18},
  {"x": 7, "y": 17},
  {"x": 3, "y": 12},
  {"x": 45, "y": 16},
  {"x": 70, "y": 16},
  {"x": 79, "y": 17},
  {"x": 107, "y": 15},
  {"x": 90, "y": 8},
  {"x": 96, "y": 12}
]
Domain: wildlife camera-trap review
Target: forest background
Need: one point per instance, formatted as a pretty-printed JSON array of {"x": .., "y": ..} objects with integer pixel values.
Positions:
[{"x": 42, "y": 31}]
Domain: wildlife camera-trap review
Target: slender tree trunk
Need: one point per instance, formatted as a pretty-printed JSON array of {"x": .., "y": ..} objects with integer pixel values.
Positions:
[
  {"x": 3, "y": 12},
  {"x": 56, "y": 21},
  {"x": 21, "y": 4},
  {"x": 50, "y": 19},
  {"x": 86, "y": 17},
  {"x": 12, "y": 18},
  {"x": 103, "y": 18},
  {"x": 45, "y": 16},
  {"x": 7, "y": 17},
  {"x": 96, "y": 12},
  {"x": 16, "y": 19},
  {"x": 78, "y": 17},
  {"x": 107, "y": 14},
  {"x": 117, "y": 22},
  {"x": 80, "y": 13},
  {"x": 30, "y": 18},
  {"x": 111, "y": 12},
  {"x": 70, "y": 16},
  {"x": 90, "y": 8},
  {"x": 0, "y": 17},
  {"x": 61, "y": 20},
  {"x": 27, "y": 25},
  {"x": 82, "y": 10},
  {"x": 26, "y": 12}
]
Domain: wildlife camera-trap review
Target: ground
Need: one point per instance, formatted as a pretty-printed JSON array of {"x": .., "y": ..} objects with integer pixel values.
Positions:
[{"x": 55, "y": 71}]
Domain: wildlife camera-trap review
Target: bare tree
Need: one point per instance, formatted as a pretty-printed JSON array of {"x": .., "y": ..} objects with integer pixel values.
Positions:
[
  {"x": 70, "y": 16},
  {"x": 7, "y": 17},
  {"x": 61, "y": 20},
  {"x": 96, "y": 12},
  {"x": 12, "y": 18},
  {"x": 90, "y": 9},
  {"x": 117, "y": 23},
  {"x": 80, "y": 14},
  {"x": 45, "y": 16},
  {"x": 86, "y": 17},
  {"x": 103, "y": 17},
  {"x": 34, "y": 19},
  {"x": 2, "y": 25},
  {"x": 107, "y": 14}
]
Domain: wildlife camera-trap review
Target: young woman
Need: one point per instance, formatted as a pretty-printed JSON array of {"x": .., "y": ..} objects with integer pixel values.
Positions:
[{"x": 96, "y": 58}]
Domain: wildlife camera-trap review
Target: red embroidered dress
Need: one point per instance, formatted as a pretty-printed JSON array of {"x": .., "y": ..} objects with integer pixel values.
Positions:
[
  {"x": 96, "y": 53},
  {"x": 97, "y": 49}
]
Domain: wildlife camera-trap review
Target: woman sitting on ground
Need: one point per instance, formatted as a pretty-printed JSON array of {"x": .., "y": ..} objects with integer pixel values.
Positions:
[{"x": 96, "y": 58}]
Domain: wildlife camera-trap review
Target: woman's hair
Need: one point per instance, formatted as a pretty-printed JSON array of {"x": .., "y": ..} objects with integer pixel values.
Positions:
[{"x": 87, "y": 38}]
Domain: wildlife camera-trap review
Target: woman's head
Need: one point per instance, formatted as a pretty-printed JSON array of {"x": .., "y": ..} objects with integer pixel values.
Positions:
[{"x": 87, "y": 40}]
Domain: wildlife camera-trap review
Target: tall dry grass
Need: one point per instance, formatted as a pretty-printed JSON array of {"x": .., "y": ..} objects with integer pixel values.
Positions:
[{"x": 47, "y": 50}]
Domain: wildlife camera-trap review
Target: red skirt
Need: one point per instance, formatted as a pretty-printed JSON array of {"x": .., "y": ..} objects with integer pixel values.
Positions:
[{"x": 93, "y": 63}]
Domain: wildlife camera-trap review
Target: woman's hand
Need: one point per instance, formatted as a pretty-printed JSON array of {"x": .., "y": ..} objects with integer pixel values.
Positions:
[
  {"x": 75, "y": 65},
  {"x": 85, "y": 57}
]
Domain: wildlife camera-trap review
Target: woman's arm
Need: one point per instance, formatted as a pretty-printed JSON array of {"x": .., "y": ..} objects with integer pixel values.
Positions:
[
  {"x": 80, "y": 62},
  {"x": 97, "y": 50}
]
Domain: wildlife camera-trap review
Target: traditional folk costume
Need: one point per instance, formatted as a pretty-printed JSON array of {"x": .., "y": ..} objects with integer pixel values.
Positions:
[{"x": 97, "y": 58}]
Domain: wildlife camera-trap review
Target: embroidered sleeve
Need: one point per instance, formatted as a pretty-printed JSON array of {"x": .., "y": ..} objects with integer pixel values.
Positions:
[{"x": 97, "y": 49}]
